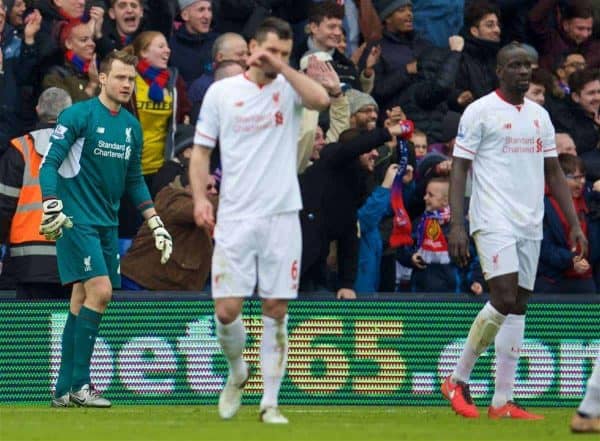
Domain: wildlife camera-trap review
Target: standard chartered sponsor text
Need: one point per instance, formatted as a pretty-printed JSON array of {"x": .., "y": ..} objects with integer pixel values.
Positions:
[{"x": 110, "y": 150}]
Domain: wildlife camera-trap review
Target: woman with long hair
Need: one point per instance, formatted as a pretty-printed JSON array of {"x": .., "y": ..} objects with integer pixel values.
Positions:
[{"x": 160, "y": 103}]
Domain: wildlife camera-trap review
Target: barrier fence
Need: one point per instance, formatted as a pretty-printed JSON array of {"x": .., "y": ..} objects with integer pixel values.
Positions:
[{"x": 380, "y": 352}]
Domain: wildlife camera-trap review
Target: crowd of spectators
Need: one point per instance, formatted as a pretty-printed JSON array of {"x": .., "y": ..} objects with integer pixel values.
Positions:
[{"x": 373, "y": 170}]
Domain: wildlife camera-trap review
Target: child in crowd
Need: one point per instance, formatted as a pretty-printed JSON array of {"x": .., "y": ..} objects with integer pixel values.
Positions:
[{"x": 433, "y": 271}]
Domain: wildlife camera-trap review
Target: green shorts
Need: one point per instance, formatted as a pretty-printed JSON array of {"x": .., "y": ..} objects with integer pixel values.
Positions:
[{"x": 86, "y": 251}]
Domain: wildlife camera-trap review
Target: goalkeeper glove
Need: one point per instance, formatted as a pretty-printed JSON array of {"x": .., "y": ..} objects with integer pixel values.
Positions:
[
  {"x": 53, "y": 219},
  {"x": 162, "y": 238}
]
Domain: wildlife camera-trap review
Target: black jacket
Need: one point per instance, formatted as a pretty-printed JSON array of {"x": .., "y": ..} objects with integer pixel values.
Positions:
[
  {"x": 333, "y": 189},
  {"x": 391, "y": 77},
  {"x": 477, "y": 71},
  {"x": 569, "y": 117},
  {"x": 16, "y": 86},
  {"x": 342, "y": 65},
  {"x": 426, "y": 100}
]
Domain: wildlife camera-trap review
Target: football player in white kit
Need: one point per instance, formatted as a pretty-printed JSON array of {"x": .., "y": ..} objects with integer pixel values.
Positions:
[
  {"x": 256, "y": 118},
  {"x": 508, "y": 141}
]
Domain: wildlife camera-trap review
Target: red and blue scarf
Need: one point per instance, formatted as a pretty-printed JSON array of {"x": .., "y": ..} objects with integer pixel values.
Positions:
[
  {"x": 402, "y": 227},
  {"x": 431, "y": 241},
  {"x": 79, "y": 63},
  {"x": 156, "y": 78}
]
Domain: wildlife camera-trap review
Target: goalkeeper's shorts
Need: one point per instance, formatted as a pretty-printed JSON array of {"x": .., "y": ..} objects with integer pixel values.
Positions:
[{"x": 86, "y": 251}]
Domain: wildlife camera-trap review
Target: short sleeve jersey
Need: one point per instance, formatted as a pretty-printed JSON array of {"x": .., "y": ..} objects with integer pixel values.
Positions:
[
  {"x": 507, "y": 144},
  {"x": 93, "y": 157},
  {"x": 257, "y": 128}
]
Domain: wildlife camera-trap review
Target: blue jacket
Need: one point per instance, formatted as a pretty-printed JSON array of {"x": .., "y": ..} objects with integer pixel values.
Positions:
[
  {"x": 371, "y": 245},
  {"x": 437, "y": 277}
]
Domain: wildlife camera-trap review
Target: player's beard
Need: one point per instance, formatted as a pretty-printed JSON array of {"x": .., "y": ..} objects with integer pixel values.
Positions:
[{"x": 270, "y": 74}]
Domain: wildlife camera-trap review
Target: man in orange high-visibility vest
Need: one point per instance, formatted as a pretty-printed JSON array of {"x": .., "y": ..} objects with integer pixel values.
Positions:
[{"x": 32, "y": 258}]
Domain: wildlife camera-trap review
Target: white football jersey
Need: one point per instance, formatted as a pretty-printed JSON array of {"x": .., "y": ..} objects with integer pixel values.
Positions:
[
  {"x": 507, "y": 144},
  {"x": 257, "y": 129}
]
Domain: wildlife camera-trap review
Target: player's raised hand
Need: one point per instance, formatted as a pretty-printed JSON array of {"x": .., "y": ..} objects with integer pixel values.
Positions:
[
  {"x": 53, "y": 219},
  {"x": 162, "y": 239},
  {"x": 266, "y": 61},
  {"x": 458, "y": 245},
  {"x": 578, "y": 242},
  {"x": 204, "y": 213}
]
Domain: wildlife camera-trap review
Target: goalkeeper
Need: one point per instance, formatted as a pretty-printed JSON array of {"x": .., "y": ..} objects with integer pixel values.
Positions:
[{"x": 93, "y": 158}]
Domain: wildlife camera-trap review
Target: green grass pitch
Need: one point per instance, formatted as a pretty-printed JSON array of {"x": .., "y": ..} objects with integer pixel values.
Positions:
[{"x": 307, "y": 423}]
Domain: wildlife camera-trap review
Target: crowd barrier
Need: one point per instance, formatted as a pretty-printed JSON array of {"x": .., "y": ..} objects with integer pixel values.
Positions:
[{"x": 161, "y": 348}]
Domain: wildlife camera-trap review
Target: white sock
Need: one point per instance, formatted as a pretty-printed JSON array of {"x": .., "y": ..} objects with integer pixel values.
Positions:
[
  {"x": 232, "y": 338},
  {"x": 508, "y": 348},
  {"x": 590, "y": 405},
  {"x": 481, "y": 335},
  {"x": 273, "y": 358}
]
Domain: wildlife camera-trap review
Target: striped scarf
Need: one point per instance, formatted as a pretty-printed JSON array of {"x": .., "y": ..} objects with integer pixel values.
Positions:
[
  {"x": 79, "y": 63},
  {"x": 431, "y": 241},
  {"x": 401, "y": 229},
  {"x": 156, "y": 78}
]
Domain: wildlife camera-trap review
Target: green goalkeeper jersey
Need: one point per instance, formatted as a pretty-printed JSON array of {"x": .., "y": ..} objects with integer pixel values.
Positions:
[{"x": 92, "y": 160}]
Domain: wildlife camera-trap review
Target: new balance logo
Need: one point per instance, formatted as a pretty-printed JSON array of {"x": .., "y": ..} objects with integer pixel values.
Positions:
[
  {"x": 128, "y": 134},
  {"x": 507, "y": 126},
  {"x": 238, "y": 104},
  {"x": 100, "y": 130}
]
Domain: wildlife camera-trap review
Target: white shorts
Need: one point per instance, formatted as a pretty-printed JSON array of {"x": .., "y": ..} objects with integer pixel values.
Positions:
[
  {"x": 263, "y": 252},
  {"x": 502, "y": 253}
]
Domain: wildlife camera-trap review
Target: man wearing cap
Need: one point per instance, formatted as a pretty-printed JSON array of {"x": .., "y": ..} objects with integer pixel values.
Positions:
[
  {"x": 191, "y": 44},
  {"x": 400, "y": 47}
]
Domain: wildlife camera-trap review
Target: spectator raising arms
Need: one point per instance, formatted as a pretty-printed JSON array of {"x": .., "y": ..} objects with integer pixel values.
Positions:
[
  {"x": 400, "y": 47},
  {"x": 19, "y": 55},
  {"x": 78, "y": 74}
]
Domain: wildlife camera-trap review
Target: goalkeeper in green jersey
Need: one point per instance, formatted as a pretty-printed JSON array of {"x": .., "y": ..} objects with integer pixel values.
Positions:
[{"x": 93, "y": 158}]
